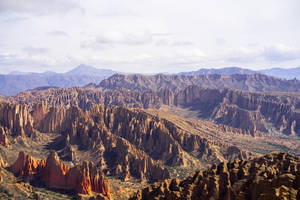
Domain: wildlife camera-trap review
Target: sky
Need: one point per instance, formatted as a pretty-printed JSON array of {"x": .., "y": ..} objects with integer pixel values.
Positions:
[{"x": 148, "y": 36}]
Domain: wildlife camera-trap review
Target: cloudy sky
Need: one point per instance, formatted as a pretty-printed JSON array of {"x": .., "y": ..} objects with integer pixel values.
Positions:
[{"x": 148, "y": 36}]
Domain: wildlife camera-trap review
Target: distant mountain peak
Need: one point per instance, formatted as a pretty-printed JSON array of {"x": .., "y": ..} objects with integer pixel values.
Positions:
[
  {"x": 83, "y": 69},
  {"x": 83, "y": 66}
]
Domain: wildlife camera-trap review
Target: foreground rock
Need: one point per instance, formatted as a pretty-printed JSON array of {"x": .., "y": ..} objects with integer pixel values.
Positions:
[
  {"x": 84, "y": 179},
  {"x": 273, "y": 176}
]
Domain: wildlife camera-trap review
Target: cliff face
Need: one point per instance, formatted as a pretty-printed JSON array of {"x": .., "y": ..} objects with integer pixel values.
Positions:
[
  {"x": 84, "y": 179},
  {"x": 16, "y": 118},
  {"x": 25, "y": 166},
  {"x": 249, "y": 111},
  {"x": 87, "y": 179},
  {"x": 274, "y": 176},
  {"x": 3, "y": 136}
]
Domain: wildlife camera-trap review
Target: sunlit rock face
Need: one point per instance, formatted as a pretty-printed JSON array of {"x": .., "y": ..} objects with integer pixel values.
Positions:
[{"x": 84, "y": 179}]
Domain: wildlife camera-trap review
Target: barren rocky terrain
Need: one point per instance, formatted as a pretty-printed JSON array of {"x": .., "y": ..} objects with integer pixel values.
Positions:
[
  {"x": 256, "y": 113},
  {"x": 273, "y": 176},
  {"x": 112, "y": 140}
]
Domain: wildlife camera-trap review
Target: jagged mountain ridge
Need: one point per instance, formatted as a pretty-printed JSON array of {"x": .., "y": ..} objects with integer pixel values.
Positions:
[
  {"x": 273, "y": 176},
  {"x": 85, "y": 98},
  {"x": 90, "y": 70},
  {"x": 253, "y": 112},
  {"x": 287, "y": 73},
  {"x": 247, "y": 82},
  {"x": 128, "y": 142},
  {"x": 232, "y": 77},
  {"x": 78, "y": 127}
]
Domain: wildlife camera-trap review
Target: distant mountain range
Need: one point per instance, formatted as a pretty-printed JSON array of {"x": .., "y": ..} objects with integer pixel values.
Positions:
[
  {"x": 82, "y": 75},
  {"x": 277, "y": 72},
  {"x": 89, "y": 76},
  {"x": 90, "y": 71}
]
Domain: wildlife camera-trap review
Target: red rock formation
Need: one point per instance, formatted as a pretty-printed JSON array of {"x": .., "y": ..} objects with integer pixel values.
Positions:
[
  {"x": 87, "y": 179},
  {"x": 84, "y": 179},
  {"x": 25, "y": 166},
  {"x": 54, "y": 172},
  {"x": 17, "y": 118}
]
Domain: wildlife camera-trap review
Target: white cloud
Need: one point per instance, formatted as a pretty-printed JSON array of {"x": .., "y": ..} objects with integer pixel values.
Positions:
[
  {"x": 279, "y": 53},
  {"x": 140, "y": 36},
  {"x": 39, "y": 7},
  {"x": 271, "y": 53},
  {"x": 114, "y": 38},
  {"x": 58, "y": 33},
  {"x": 32, "y": 50}
]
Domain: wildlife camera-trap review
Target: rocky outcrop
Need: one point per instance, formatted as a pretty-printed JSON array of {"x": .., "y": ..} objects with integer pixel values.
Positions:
[
  {"x": 273, "y": 176},
  {"x": 54, "y": 172},
  {"x": 87, "y": 179},
  {"x": 84, "y": 179},
  {"x": 16, "y": 118},
  {"x": 126, "y": 161},
  {"x": 25, "y": 166},
  {"x": 3, "y": 136}
]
